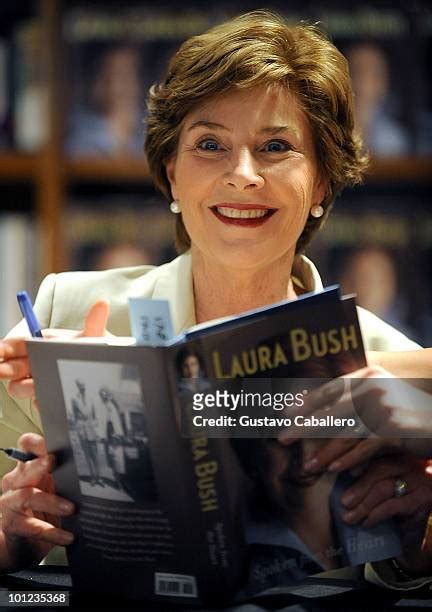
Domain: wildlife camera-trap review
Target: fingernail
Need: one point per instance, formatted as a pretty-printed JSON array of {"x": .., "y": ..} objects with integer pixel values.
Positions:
[
  {"x": 334, "y": 467},
  {"x": 349, "y": 517},
  {"x": 310, "y": 465},
  {"x": 66, "y": 507},
  {"x": 347, "y": 499},
  {"x": 66, "y": 538}
]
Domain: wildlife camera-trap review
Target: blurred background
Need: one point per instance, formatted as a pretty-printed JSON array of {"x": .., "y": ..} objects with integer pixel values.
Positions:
[{"x": 74, "y": 186}]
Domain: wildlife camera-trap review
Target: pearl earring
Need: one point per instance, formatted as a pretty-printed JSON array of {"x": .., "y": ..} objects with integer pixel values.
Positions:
[
  {"x": 317, "y": 211},
  {"x": 175, "y": 207}
]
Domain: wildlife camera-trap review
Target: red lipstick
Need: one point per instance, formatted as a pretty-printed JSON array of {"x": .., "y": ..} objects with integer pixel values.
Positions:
[{"x": 231, "y": 214}]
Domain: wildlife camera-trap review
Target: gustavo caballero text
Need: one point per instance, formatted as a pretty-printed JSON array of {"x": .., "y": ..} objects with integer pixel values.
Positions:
[{"x": 248, "y": 421}]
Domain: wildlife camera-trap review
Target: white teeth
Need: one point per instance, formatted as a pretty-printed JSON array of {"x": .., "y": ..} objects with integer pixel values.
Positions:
[{"x": 237, "y": 213}]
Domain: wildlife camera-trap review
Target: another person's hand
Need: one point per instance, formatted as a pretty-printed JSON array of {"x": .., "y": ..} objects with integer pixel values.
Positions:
[
  {"x": 14, "y": 361},
  {"x": 30, "y": 509}
]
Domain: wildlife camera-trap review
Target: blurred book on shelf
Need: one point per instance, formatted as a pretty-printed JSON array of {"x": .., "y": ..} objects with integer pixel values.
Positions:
[
  {"x": 424, "y": 91},
  {"x": 18, "y": 265},
  {"x": 112, "y": 59},
  {"x": 118, "y": 231},
  {"x": 4, "y": 94},
  {"x": 30, "y": 92},
  {"x": 388, "y": 73},
  {"x": 114, "y": 55},
  {"x": 380, "y": 248}
]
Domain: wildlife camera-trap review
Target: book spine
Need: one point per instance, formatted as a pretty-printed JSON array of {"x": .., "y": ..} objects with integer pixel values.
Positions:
[
  {"x": 4, "y": 93},
  {"x": 30, "y": 101},
  {"x": 16, "y": 262}
]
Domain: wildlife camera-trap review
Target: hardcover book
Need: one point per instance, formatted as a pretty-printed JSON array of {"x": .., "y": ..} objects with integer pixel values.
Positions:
[{"x": 182, "y": 489}]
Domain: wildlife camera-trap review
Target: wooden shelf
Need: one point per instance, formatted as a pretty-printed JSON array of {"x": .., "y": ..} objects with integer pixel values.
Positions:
[
  {"x": 396, "y": 168},
  {"x": 52, "y": 174},
  {"x": 93, "y": 169},
  {"x": 18, "y": 166},
  {"x": 135, "y": 169},
  {"x": 132, "y": 169}
]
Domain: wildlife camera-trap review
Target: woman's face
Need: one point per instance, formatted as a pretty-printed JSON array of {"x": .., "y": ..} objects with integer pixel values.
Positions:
[
  {"x": 191, "y": 367},
  {"x": 246, "y": 176}
]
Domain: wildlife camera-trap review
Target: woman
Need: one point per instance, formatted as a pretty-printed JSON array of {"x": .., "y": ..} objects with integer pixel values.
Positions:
[{"x": 251, "y": 134}]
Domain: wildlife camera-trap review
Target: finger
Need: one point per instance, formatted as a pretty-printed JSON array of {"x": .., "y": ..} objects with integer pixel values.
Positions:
[
  {"x": 37, "y": 529},
  {"x": 395, "y": 506},
  {"x": 15, "y": 369},
  {"x": 380, "y": 471},
  {"x": 96, "y": 319},
  {"x": 47, "y": 483},
  {"x": 12, "y": 348},
  {"x": 328, "y": 453},
  {"x": 22, "y": 389},
  {"x": 29, "y": 474},
  {"x": 286, "y": 438},
  {"x": 359, "y": 453},
  {"x": 321, "y": 409},
  {"x": 342, "y": 409},
  {"x": 369, "y": 371},
  {"x": 33, "y": 443},
  {"x": 380, "y": 493},
  {"x": 31, "y": 498},
  {"x": 327, "y": 394}
]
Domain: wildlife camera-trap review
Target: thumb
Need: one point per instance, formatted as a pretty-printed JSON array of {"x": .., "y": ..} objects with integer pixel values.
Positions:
[{"x": 96, "y": 319}]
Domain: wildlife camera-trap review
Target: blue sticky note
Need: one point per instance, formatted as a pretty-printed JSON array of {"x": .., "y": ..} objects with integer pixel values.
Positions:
[{"x": 150, "y": 321}]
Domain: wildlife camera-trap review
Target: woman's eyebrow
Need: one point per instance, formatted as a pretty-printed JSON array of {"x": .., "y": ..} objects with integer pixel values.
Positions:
[
  {"x": 272, "y": 129},
  {"x": 276, "y": 129},
  {"x": 209, "y": 124}
]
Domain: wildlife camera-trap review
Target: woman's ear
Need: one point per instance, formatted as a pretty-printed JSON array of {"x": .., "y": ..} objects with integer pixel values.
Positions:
[
  {"x": 170, "y": 172},
  {"x": 320, "y": 188}
]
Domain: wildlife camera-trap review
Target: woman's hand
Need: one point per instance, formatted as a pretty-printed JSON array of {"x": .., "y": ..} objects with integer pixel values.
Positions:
[
  {"x": 14, "y": 361},
  {"x": 376, "y": 497},
  {"x": 405, "y": 364},
  {"x": 30, "y": 510},
  {"x": 373, "y": 499},
  {"x": 396, "y": 415}
]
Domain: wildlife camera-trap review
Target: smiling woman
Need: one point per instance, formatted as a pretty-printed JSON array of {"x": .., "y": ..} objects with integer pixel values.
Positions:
[
  {"x": 252, "y": 134},
  {"x": 255, "y": 154}
]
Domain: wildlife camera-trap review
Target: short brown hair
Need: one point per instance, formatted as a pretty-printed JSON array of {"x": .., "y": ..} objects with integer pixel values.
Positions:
[{"x": 261, "y": 48}]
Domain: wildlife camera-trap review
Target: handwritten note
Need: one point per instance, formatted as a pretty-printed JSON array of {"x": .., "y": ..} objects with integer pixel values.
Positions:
[{"x": 150, "y": 320}]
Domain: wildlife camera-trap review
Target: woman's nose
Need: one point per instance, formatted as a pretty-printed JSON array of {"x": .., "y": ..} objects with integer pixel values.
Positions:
[{"x": 243, "y": 172}]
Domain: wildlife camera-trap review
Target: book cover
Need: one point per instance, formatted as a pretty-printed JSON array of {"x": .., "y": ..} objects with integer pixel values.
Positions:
[{"x": 170, "y": 510}]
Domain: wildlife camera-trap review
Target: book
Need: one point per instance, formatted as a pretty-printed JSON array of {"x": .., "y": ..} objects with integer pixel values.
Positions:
[
  {"x": 18, "y": 264},
  {"x": 113, "y": 57},
  {"x": 4, "y": 93},
  {"x": 111, "y": 231},
  {"x": 30, "y": 93},
  {"x": 171, "y": 510},
  {"x": 385, "y": 239}
]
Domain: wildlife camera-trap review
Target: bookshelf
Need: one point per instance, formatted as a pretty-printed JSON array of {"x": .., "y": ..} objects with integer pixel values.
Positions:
[
  {"x": 52, "y": 174},
  {"x": 18, "y": 166}
]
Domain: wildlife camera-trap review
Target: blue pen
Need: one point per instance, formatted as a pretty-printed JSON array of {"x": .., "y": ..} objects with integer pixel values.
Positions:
[{"x": 29, "y": 314}]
